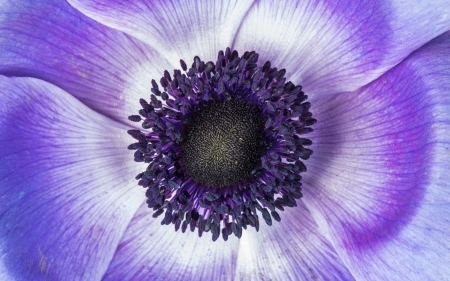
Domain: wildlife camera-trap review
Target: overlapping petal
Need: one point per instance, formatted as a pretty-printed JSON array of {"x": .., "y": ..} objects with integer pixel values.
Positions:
[
  {"x": 292, "y": 249},
  {"x": 178, "y": 29},
  {"x": 328, "y": 46},
  {"x": 67, "y": 188},
  {"x": 378, "y": 181},
  {"x": 104, "y": 68},
  {"x": 150, "y": 251},
  {"x": 338, "y": 46}
]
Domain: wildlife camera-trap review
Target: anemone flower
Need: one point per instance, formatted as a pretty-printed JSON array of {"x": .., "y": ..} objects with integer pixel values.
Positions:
[{"x": 231, "y": 176}]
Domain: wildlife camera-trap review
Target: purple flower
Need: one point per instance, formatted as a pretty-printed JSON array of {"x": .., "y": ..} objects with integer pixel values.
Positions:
[{"x": 376, "y": 197}]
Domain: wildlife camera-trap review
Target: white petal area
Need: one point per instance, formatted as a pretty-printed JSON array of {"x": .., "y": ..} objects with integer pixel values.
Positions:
[
  {"x": 151, "y": 251},
  {"x": 67, "y": 187},
  {"x": 104, "y": 68},
  {"x": 378, "y": 182},
  {"x": 338, "y": 46},
  {"x": 292, "y": 249},
  {"x": 179, "y": 29}
]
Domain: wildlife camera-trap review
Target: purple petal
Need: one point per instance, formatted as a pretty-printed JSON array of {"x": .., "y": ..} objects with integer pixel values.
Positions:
[
  {"x": 150, "y": 251},
  {"x": 67, "y": 188},
  {"x": 179, "y": 29},
  {"x": 378, "y": 182},
  {"x": 106, "y": 69},
  {"x": 292, "y": 249},
  {"x": 337, "y": 46}
]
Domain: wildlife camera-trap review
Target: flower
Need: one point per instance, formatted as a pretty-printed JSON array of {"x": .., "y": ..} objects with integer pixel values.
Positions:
[{"x": 376, "y": 196}]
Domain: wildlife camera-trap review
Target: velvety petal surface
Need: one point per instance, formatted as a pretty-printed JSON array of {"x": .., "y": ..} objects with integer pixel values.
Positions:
[
  {"x": 67, "y": 188},
  {"x": 151, "y": 251},
  {"x": 378, "y": 182},
  {"x": 104, "y": 68},
  {"x": 179, "y": 29},
  {"x": 292, "y": 249},
  {"x": 337, "y": 46}
]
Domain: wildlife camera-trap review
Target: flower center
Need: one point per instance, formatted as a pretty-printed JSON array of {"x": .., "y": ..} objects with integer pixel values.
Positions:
[{"x": 223, "y": 143}]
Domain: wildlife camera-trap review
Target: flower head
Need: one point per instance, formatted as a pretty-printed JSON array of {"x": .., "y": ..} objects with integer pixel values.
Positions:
[{"x": 375, "y": 199}]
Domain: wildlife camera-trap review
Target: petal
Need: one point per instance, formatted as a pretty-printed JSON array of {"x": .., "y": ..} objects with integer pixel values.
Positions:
[
  {"x": 151, "y": 251},
  {"x": 292, "y": 249},
  {"x": 67, "y": 188},
  {"x": 378, "y": 182},
  {"x": 105, "y": 69},
  {"x": 178, "y": 29},
  {"x": 337, "y": 46}
]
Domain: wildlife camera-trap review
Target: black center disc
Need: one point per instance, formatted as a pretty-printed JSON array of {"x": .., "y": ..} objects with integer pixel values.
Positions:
[{"x": 223, "y": 143}]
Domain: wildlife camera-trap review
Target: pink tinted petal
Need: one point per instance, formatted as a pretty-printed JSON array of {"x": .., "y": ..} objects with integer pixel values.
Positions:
[
  {"x": 67, "y": 188},
  {"x": 336, "y": 46},
  {"x": 105, "y": 69},
  {"x": 378, "y": 182},
  {"x": 292, "y": 249},
  {"x": 177, "y": 28},
  {"x": 151, "y": 251}
]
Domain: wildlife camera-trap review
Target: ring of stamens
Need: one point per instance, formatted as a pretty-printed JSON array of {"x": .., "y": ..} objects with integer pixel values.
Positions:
[{"x": 222, "y": 203}]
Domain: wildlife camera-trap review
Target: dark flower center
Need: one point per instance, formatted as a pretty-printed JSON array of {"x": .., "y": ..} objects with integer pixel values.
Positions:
[{"x": 223, "y": 143}]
